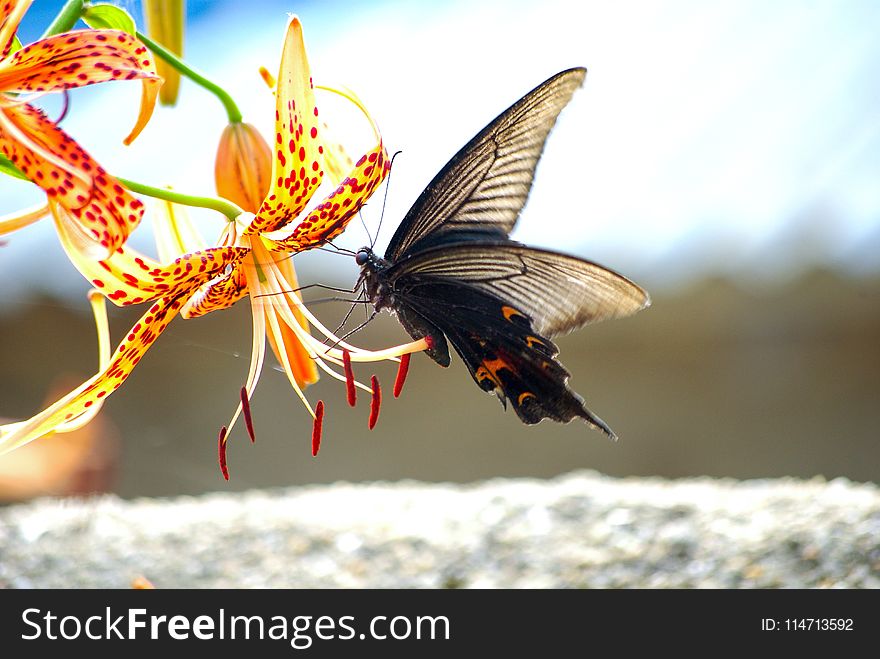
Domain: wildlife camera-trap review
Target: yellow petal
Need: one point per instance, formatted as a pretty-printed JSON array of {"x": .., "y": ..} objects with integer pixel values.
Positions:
[
  {"x": 330, "y": 217},
  {"x": 166, "y": 22},
  {"x": 23, "y": 218},
  {"x": 128, "y": 277},
  {"x": 297, "y": 163},
  {"x": 174, "y": 231}
]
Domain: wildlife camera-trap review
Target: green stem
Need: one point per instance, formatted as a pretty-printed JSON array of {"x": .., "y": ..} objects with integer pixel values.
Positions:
[
  {"x": 66, "y": 18},
  {"x": 229, "y": 209},
  {"x": 173, "y": 60}
]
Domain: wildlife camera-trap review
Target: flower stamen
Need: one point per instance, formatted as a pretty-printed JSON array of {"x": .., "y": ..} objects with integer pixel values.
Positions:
[
  {"x": 221, "y": 452},
  {"x": 349, "y": 378},
  {"x": 375, "y": 402},
  {"x": 246, "y": 412},
  {"x": 317, "y": 427},
  {"x": 402, "y": 370}
]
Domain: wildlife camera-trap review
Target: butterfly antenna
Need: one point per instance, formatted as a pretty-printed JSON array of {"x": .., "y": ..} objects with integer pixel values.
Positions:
[
  {"x": 341, "y": 250},
  {"x": 384, "y": 200},
  {"x": 360, "y": 299},
  {"x": 364, "y": 225},
  {"x": 304, "y": 288}
]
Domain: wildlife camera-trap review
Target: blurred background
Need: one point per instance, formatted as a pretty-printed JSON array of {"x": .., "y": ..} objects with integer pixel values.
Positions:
[{"x": 726, "y": 156}]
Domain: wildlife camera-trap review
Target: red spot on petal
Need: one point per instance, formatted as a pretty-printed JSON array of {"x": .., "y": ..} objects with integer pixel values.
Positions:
[
  {"x": 349, "y": 378},
  {"x": 221, "y": 452},
  {"x": 246, "y": 412},
  {"x": 430, "y": 341},
  {"x": 402, "y": 370},
  {"x": 316, "y": 427},
  {"x": 376, "y": 402}
]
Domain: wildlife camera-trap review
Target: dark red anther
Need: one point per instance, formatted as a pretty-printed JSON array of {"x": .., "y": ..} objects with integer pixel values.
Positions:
[
  {"x": 246, "y": 411},
  {"x": 221, "y": 451},
  {"x": 349, "y": 378},
  {"x": 402, "y": 370},
  {"x": 316, "y": 427},
  {"x": 430, "y": 341},
  {"x": 376, "y": 402}
]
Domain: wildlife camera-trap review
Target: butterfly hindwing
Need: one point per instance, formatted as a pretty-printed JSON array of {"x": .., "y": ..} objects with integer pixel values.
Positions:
[
  {"x": 482, "y": 189},
  {"x": 500, "y": 347}
]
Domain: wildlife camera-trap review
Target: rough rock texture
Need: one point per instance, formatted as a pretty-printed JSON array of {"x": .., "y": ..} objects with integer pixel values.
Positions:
[{"x": 582, "y": 530}]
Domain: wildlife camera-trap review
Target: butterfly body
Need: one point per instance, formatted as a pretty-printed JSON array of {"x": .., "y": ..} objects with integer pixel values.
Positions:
[{"x": 452, "y": 274}]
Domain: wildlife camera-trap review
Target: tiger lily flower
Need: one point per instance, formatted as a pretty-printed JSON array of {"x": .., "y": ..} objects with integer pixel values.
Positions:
[
  {"x": 98, "y": 208},
  {"x": 246, "y": 261}
]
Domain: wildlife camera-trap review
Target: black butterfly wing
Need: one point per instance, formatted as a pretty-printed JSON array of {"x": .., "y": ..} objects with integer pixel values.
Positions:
[
  {"x": 503, "y": 353},
  {"x": 482, "y": 189},
  {"x": 558, "y": 293},
  {"x": 495, "y": 302}
]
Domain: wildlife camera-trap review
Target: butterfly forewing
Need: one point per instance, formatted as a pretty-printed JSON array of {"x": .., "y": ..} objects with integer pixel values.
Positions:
[
  {"x": 484, "y": 187},
  {"x": 559, "y": 293}
]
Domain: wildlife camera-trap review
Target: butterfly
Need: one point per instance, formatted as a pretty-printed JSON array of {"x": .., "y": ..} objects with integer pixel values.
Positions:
[{"x": 451, "y": 273}]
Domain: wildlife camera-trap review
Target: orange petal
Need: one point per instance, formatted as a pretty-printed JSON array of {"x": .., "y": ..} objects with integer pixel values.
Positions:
[
  {"x": 330, "y": 217},
  {"x": 297, "y": 165},
  {"x": 80, "y": 58},
  {"x": 106, "y": 211},
  {"x": 80, "y": 400},
  {"x": 11, "y": 12}
]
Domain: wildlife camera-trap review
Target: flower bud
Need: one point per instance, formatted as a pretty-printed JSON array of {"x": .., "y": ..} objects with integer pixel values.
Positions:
[
  {"x": 165, "y": 24},
  {"x": 243, "y": 167}
]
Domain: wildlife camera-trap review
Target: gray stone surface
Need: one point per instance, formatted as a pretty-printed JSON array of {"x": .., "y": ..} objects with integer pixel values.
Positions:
[{"x": 582, "y": 530}]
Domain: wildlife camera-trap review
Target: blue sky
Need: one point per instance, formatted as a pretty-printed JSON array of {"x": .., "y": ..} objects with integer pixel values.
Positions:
[{"x": 735, "y": 138}]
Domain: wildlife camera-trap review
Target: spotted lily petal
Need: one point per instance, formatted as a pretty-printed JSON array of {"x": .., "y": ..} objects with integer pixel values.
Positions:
[
  {"x": 11, "y": 12},
  {"x": 105, "y": 210},
  {"x": 129, "y": 277},
  {"x": 217, "y": 295},
  {"x": 80, "y": 58},
  {"x": 331, "y": 216},
  {"x": 93, "y": 391},
  {"x": 297, "y": 166}
]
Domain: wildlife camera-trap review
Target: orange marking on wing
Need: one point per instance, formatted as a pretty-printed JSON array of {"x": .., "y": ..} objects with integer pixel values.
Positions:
[
  {"x": 532, "y": 341},
  {"x": 523, "y": 396},
  {"x": 509, "y": 312}
]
